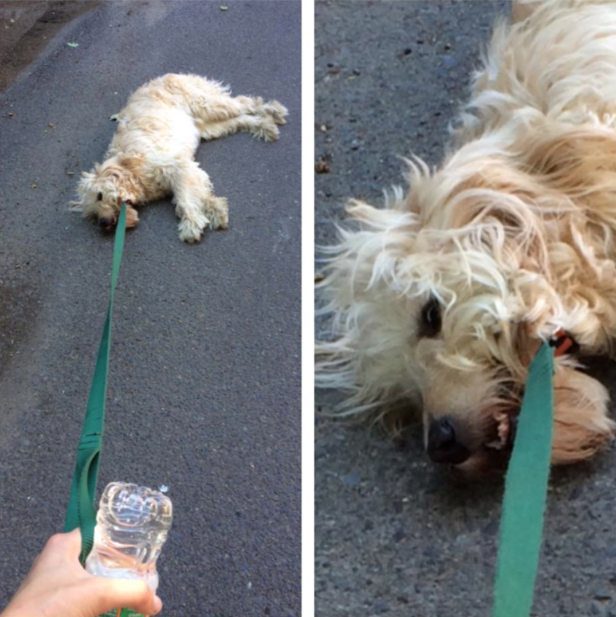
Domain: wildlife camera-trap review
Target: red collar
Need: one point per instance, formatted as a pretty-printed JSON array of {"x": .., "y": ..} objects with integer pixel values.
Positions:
[{"x": 563, "y": 343}]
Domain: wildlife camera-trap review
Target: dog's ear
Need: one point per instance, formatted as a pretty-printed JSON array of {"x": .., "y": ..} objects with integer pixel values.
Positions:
[
  {"x": 112, "y": 171},
  {"x": 473, "y": 191},
  {"x": 131, "y": 162},
  {"x": 495, "y": 190}
]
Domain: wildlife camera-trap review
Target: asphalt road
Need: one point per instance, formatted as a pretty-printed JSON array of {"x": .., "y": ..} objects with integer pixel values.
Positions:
[
  {"x": 205, "y": 369},
  {"x": 396, "y": 535}
]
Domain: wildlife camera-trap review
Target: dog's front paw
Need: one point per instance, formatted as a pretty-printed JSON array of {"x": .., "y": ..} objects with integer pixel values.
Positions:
[
  {"x": 277, "y": 110},
  {"x": 191, "y": 229},
  {"x": 582, "y": 425},
  {"x": 217, "y": 212}
]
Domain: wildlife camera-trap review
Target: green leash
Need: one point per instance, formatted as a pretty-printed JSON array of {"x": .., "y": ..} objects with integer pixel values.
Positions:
[
  {"x": 525, "y": 498},
  {"x": 81, "y": 511}
]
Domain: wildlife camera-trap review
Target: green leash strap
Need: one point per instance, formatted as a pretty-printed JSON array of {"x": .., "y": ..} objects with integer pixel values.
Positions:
[
  {"x": 525, "y": 498},
  {"x": 81, "y": 511}
]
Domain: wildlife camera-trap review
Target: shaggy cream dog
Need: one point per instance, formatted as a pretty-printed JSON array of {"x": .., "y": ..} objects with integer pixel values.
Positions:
[
  {"x": 152, "y": 152},
  {"x": 440, "y": 298}
]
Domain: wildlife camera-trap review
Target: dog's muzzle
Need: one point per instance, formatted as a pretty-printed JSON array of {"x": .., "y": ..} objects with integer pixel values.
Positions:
[
  {"x": 443, "y": 445},
  {"x": 107, "y": 223}
]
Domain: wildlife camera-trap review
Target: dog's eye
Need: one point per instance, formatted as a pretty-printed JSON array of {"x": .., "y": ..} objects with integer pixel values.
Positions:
[
  {"x": 99, "y": 197},
  {"x": 430, "y": 324}
]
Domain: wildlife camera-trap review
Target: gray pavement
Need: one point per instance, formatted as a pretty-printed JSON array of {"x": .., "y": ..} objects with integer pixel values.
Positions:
[
  {"x": 27, "y": 26},
  {"x": 205, "y": 369},
  {"x": 396, "y": 535}
]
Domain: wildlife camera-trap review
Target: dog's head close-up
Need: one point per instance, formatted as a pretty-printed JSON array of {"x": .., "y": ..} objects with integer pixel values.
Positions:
[
  {"x": 102, "y": 191},
  {"x": 439, "y": 300}
]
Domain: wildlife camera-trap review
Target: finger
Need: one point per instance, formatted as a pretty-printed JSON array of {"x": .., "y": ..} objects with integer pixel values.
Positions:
[
  {"x": 113, "y": 593},
  {"x": 73, "y": 543},
  {"x": 61, "y": 547}
]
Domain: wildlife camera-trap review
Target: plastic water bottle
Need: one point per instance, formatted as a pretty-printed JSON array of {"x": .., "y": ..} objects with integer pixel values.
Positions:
[{"x": 131, "y": 527}]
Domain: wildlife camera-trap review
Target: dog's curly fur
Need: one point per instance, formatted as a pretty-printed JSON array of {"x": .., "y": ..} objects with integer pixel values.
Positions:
[
  {"x": 152, "y": 152},
  {"x": 514, "y": 237}
]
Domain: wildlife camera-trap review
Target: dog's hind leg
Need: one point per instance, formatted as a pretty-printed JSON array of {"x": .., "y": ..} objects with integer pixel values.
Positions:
[
  {"x": 254, "y": 116},
  {"x": 261, "y": 126},
  {"x": 211, "y": 102},
  {"x": 223, "y": 115},
  {"x": 195, "y": 202},
  {"x": 223, "y": 106}
]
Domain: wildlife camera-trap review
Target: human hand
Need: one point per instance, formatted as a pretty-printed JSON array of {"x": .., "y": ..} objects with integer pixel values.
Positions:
[{"x": 58, "y": 586}]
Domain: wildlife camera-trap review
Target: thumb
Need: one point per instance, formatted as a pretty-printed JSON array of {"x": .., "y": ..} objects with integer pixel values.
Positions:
[{"x": 114, "y": 593}]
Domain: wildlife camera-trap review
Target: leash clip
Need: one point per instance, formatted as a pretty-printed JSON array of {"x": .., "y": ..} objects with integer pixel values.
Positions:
[{"x": 563, "y": 343}]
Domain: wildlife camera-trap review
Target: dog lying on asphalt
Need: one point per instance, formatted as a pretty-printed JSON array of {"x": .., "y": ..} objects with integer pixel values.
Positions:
[
  {"x": 440, "y": 299},
  {"x": 152, "y": 152}
]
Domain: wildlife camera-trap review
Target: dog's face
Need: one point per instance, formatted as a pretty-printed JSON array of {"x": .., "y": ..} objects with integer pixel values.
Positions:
[
  {"x": 464, "y": 356},
  {"x": 440, "y": 300},
  {"x": 438, "y": 325},
  {"x": 103, "y": 190}
]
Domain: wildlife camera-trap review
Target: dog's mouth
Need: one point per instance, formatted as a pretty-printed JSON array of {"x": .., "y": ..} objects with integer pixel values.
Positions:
[
  {"x": 494, "y": 453},
  {"x": 499, "y": 432},
  {"x": 504, "y": 431},
  {"x": 107, "y": 223}
]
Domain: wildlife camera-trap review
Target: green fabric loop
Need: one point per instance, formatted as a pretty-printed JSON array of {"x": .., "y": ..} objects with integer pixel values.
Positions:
[
  {"x": 81, "y": 511},
  {"x": 525, "y": 497}
]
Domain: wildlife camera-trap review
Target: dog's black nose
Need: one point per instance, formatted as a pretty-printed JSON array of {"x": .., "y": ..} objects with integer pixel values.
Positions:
[
  {"x": 106, "y": 223},
  {"x": 443, "y": 446}
]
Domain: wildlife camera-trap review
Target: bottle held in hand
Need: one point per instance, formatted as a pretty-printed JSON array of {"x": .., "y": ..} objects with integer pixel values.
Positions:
[{"x": 131, "y": 527}]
